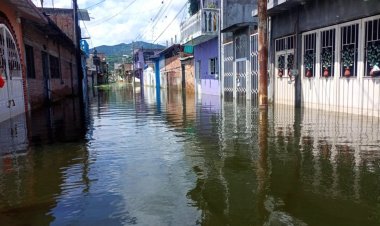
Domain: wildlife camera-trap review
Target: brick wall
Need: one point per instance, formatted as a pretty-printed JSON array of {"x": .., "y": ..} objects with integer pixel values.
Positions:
[
  {"x": 59, "y": 87},
  {"x": 173, "y": 68},
  {"x": 189, "y": 76}
]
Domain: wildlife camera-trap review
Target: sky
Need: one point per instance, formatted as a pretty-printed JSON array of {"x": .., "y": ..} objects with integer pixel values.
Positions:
[{"x": 123, "y": 21}]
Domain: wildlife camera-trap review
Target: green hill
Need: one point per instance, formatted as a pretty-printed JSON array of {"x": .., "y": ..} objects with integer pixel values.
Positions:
[{"x": 115, "y": 53}]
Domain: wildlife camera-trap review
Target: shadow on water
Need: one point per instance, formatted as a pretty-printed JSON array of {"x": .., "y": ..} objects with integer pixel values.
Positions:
[{"x": 170, "y": 159}]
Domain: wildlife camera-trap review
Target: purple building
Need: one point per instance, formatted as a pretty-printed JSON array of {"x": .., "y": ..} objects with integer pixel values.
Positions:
[
  {"x": 201, "y": 31},
  {"x": 141, "y": 57}
]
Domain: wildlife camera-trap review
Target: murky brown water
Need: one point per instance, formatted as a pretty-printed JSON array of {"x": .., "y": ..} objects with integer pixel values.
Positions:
[{"x": 175, "y": 160}]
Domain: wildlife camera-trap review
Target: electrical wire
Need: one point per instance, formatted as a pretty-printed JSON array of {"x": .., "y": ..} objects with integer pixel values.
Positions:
[
  {"x": 116, "y": 14},
  {"x": 184, "y": 6},
  {"x": 91, "y": 6}
]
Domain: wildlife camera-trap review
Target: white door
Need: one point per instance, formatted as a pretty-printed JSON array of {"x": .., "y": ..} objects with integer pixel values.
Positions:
[{"x": 12, "y": 95}]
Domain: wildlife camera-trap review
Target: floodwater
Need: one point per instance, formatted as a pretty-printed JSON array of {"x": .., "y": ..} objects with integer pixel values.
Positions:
[{"x": 146, "y": 159}]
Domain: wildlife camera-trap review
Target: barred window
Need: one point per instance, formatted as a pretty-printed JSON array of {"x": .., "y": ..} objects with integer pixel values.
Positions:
[
  {"x": 372, "y": 48},
  {"x": 349, "y": 50},
  {"x": 309, "y": 54},
  {"x": 54, "y": 67},
  {"x": 30, "y": 70}
]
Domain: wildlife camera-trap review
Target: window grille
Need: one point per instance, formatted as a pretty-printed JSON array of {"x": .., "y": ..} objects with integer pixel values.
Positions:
[
  {"x": 309, "y": 57},
  {"x": 284, "y": 56},
  {"x": 372, "y": 47},
  {"x": 241, "y": 43},
  {"x": 349, "y": 50},
  {"x": 327, "y": 56}
]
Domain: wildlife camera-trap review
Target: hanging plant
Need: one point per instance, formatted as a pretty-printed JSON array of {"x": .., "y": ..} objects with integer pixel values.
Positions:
[
  {"x": 281, "y": 65},
  {"x": 308, "y": 63}
]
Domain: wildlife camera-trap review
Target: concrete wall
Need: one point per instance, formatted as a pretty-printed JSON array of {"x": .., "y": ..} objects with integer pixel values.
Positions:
[
  {"x": 203, "y": 52},
  {"x": 237, "y": 11}
]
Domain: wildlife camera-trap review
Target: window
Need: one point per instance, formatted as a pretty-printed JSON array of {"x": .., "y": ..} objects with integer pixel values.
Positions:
[
  {"x": 372, "y": 47},
  {"x": 241, "y": 44},
  {"x": 309, "y": 54},
  {"x": 284, "y": 56},
  {"x": 54, "y": 67},
  {"x": 349, "y": 50},
  {"x": 327, "y": 52},
  {"x": 30, "y": 71},
  {"x": 213, "y": 66}
]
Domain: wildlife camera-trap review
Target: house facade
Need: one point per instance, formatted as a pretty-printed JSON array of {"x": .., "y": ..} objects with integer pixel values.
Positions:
[
  {"x": 141, "y": 59},
  {"x": 201, "y": 32},
  {"x": 13, "y": 92},
  {"x": 239, "y": 47},
  {"x": 328, "y": 62},
  {"x": 50, "y": 63}
]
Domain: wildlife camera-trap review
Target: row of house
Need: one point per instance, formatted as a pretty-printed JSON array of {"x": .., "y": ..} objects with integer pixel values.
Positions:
[
  {"x": 39, "y": 56},
  {"x": 322, "y": 54}
]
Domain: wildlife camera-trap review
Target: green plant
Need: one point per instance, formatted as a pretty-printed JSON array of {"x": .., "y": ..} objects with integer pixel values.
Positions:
[
  {"x": 290, "y": 61},
  {"x": 373, "y": 55},
  {"x": 281, "y": 62},
  {"x": 193, "y": 7},
  {"x": 348, "y": 57},
  {"x": 326, "y": 58},
  {"x": 308, "y": 60}
]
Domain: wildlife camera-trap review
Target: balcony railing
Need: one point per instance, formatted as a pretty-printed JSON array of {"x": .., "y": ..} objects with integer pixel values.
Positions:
[{"x": 201, "y": 27}]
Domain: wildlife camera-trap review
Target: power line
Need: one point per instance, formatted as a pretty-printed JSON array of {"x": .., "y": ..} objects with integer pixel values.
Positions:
[
  {"x": 184, "y": 6},
  {"x": 116, "y": 14},
  {"x": 91, "y": 6}
]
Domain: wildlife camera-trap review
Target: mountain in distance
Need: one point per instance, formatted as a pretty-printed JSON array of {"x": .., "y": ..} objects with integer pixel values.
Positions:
[{"x": 125, "y": 49}]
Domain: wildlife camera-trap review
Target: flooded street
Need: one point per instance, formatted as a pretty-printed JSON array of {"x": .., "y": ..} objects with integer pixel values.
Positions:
[{"x": 173, "y": 160}]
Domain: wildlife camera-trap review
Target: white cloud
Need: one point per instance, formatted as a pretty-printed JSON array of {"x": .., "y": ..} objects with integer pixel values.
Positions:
[{"x": 114, "y": 21}]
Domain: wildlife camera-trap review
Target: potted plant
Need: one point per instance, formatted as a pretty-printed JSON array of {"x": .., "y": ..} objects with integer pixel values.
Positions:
[
  {"x": 289, "y": 64},
  {"x": 326, "y": 60},
  {"x": 281, "y": 65},
  {"x": 373, "y": 59},
  {"x": 348, "y": 56},
  {"x": 308, "y": 63}
]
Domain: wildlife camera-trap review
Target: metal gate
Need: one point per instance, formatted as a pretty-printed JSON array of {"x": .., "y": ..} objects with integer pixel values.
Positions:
[
  {"x": 228, "y": 68},
  {"x": 254, "y": 67},
  {"x": 11, "y": 95}
]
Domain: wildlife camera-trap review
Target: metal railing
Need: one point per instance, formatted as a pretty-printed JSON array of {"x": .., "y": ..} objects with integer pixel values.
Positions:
[{"x": 204, "y": 22}]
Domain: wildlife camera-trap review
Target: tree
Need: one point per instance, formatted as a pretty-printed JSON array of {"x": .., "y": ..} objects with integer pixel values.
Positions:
[{"x": 193, "y": 7}]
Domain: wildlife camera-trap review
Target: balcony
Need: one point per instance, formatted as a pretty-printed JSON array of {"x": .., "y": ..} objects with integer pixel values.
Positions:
[{"x": 201, "y": 27}]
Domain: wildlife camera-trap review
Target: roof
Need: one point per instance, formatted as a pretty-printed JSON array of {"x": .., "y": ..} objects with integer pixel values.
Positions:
[{"x": 27, "y": 10}]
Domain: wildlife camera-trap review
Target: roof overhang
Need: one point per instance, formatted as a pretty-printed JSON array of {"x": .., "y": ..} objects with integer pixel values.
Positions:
[
  {"x": 285, "y": 6},
  {"x": 238, "y": 26},
  {"x": 26, "y": 9}
]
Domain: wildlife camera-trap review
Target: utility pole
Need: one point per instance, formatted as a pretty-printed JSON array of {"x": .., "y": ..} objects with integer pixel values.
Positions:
[
  {"x": 263, "y": 53},
  {"x": 77, "y": 35}
]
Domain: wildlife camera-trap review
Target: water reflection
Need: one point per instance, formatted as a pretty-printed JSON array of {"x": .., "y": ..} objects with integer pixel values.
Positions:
[{"x": 170, "y": 159}]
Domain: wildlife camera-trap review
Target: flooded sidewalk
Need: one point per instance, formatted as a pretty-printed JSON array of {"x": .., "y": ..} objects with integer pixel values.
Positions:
[{"x": 172, "y": 159}]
